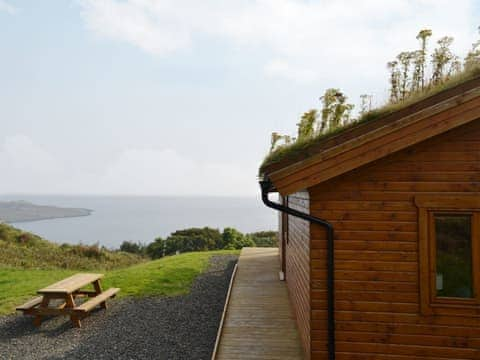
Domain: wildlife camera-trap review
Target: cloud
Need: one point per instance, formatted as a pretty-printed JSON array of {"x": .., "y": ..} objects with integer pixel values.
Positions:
[
  {"x": 140, "y": 23},
  {"x": 164, "y": 171},
  {"x": 312, "y": 39},
  {"x": 27, "y": 167},
  {"x": 6, "y": 7},
  {"x": 284, "y": 69}
]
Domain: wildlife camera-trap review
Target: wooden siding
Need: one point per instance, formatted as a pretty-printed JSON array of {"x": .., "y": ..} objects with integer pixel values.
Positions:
[
  {"x": 298, "y": 266},
  {"x": 376, "y": 243}
]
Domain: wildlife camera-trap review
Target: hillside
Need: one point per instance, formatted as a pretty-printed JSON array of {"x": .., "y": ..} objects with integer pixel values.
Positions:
[
  {"x": 28, "y": 263},
  {"x": 171, "y": 275},
  {"x": 17, "y": 211},
  {"x": 28, "y": 251}
]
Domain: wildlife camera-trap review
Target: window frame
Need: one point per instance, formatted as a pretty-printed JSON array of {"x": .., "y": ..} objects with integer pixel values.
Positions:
[{"x": 428, "y": 206}]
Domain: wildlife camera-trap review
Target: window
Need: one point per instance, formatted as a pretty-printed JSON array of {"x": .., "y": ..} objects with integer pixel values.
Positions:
[
  {"x": 449, "y": 253},
  {"x": 453, "y": 258}
]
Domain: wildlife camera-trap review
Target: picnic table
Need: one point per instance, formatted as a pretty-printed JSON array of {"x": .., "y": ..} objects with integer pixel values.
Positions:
[{"x": 65, "y": 292}]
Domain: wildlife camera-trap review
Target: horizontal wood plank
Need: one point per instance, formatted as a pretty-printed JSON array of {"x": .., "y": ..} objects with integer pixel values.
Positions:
[
  {"x": 70, "y": 284},
  {"x": 97, "y": 300},
  {"x": 30, "y": 304}
]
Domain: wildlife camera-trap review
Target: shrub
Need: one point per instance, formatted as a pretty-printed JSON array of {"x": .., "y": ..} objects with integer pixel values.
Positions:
[
  {"x": 133, "y": 248},
  {"x": 209, "y": 238},
  {"x": 28, "y": 251},
  {"x": 184, "y": 243},
  {"x": 234, "y": 239},
  {"x": 89, "y": 251},
  {"x": 265, "y": 238},
  {"x": 204, "y": 239},
  {"x": 156, "y": 249}
]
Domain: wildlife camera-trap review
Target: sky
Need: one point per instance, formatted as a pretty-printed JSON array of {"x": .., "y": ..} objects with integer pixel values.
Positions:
[{"x": 179, "y": 97}]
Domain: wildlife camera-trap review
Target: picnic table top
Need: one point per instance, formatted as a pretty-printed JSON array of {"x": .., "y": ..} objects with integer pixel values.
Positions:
[{"x": 71, "y": 284}]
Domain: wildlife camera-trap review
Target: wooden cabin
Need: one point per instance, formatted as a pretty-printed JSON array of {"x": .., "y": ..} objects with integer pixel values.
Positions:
[{"x": 402, "y": 193}]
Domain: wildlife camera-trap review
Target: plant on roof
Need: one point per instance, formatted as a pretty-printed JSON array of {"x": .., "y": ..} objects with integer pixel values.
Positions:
[
  {"x": 403, "y": 81},
  {"x": 336, "y": 111},
  {"x": 409, "y": 83},
  {"x": 445, "y": 63},
  {"x": 365, "y": 103},
  {"x": 276, "y": 137},
  {"x": 416, "y": 83},
  {"x": 472, "y": 60},
  {"x": 423, "y": 36},
  {"x": 394, "y": 81},
  {"x": 405, "y": 59},
  {"x": 306, "y": 126}
]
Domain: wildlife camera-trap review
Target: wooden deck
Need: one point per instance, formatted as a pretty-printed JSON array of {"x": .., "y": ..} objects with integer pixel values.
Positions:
[{"x": 259, "y": 322}]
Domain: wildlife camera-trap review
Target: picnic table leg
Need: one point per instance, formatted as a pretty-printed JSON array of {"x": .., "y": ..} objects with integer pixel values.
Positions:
[
  {"x": 37, "y": 321},
  {"x": 98, "y": 290},
  {"x": 70, "y": 303}
]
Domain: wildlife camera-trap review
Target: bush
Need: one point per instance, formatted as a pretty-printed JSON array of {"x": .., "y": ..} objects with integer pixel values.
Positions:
[
  {"x": 13, "y": 235},
  {"x": 89, "y": 251},
  {"x": 234, "y": 239},
  {"x": 205, "y": 239},
  {"x": 133, "y": 248},
  {"x": 156, "y": 249},
  {"x": 245, "y": 241},
  {"x": 209, "y": 238},
  {"x": 265, "y": 238},
  {"x": 28, "y": 251},
  {"x": 183, "y": 243}
]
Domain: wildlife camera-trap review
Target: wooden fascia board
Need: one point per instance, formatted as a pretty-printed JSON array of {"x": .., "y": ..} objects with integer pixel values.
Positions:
[{"x": 431, "y": 121}]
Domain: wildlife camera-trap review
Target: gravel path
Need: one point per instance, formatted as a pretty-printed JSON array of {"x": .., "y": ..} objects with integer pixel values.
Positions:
[{"x": 181, "y": 327}]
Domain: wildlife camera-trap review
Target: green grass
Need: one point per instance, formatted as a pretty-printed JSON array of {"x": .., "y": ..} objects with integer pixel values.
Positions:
[
  {"x": 18, "y": 285},
  {"x": 297, "y": 148},
  {"x": 172, "y": 275},
  {"x": 28, "y": 263}
]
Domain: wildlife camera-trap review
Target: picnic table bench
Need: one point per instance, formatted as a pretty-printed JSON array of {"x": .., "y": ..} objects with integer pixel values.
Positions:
[{"x": 67, "y": 290}]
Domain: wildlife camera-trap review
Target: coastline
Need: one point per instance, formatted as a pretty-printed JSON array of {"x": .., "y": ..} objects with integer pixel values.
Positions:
[
  {"x": 18, "y": 211},
  {"x": 141, "y": 219},
  {"x": 10, "y": 222}
]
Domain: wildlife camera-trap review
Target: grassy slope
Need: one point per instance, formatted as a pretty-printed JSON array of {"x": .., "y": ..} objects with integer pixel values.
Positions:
[
  {"x": 24, "y": 250},
  {"x": 28, "y": 263},
  {"x": 171, "y": 275}
]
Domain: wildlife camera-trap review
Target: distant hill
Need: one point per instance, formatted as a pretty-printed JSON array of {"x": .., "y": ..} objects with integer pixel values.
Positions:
[{"x": 18, "y": 211}]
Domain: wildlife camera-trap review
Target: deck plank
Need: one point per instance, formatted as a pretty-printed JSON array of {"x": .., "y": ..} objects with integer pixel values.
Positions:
[{"x": 259, "y": 323}]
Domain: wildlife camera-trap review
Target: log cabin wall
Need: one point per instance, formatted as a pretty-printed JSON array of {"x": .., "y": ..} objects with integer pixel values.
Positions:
[
  {"x": 298, "y": 266},
  {"x": 376, "y": 254}
]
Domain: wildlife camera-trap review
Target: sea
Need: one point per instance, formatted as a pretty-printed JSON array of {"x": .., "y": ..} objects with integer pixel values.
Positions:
[{"x": 143, "y": 218}]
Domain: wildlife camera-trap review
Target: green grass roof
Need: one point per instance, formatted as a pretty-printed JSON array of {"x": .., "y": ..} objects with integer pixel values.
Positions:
[{"x": 291, "y": 152}]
